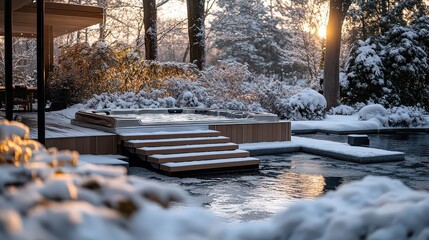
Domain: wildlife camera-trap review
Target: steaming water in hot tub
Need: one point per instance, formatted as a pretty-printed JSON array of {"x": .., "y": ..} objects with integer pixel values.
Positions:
[{"x": 167, "y": 117}]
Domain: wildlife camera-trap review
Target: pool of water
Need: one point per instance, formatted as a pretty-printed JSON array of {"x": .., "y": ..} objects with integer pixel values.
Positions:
[
  {"x": 283, "y": 179},
  {"x": 167, "y": 117}
]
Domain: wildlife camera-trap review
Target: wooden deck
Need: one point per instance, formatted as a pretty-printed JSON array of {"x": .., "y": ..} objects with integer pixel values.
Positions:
[
  {"x": 174, "y": 153},
  {"x": 255, "y": 132}
]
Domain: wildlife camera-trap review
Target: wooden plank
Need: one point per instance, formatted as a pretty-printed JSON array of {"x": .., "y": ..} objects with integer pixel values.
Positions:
[
  {"x": 197, "y": 156},
  {"x": 85, "y": 145},
  {"x": 251, "y": 162},
  {"x": 170, "y": 135},
  {"x": 187, "y": 149},
  {"x": 176, "y": 142}
]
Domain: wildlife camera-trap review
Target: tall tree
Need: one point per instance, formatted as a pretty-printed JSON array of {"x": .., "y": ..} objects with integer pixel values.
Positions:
[
  {"x": 331, "y": 86},
  {"x": 196, "y": 32},
  {"x": 150, "y": 29},
  {"x": 245, "y": 32}
]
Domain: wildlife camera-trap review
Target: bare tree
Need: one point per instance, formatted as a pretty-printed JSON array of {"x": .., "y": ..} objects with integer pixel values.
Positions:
[
  {"x": 196, "y": 32},
  {"x": 331, "y": 82},
  {"x": 150, "y": 29}
]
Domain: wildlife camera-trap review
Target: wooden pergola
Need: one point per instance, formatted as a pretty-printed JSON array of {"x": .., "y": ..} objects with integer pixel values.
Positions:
[{"x": 44, "y": 20}]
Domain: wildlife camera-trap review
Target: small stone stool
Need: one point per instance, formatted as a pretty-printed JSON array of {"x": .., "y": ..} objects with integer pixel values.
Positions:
[{"x": 358, "y": 140}]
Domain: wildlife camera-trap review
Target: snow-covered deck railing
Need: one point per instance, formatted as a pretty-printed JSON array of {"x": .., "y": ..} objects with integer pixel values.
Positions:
[{"x": 341, "y": 151}]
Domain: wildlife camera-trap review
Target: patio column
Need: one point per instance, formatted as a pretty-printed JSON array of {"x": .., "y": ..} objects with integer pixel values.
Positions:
[
  {"x": 8, "y": 68},
  {"x": 41, "y": 71}
]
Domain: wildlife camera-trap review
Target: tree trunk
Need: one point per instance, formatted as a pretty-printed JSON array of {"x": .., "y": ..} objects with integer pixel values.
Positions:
[
  {"x": 196, "y": 32},
  {"x": 150, "y": 36},
  {"x": 331, "y": 85},
  {"x": 102, "y": 25}
]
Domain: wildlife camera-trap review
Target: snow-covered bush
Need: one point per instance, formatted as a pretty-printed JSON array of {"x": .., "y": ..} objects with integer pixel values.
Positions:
[
  {"x": 406, "y": 117},
  {"x": 188, "y": 99},
  {"x": 52, "y": 197},
  {"x": 342, "y": 110},
  {"x": 130, "y": 100},
  {"x": 188, "y": 93},
  {"x": 306, "y": 105},
  {"x": 364, "y": 74},
  {"x": 374, "y": 112}
]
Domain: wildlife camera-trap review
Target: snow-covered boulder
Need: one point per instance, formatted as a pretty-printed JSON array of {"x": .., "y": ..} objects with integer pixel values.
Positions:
[
  {"x": 374, "y": 112},
  {"x": 406, "y": 117},
  {"x": 306, "y": 105}
]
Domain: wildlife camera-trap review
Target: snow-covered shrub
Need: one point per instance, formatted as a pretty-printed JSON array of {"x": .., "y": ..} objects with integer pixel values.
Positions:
[
  {"x": 188, "y": 93},
  {"x": 188, "y": 99},
  {"x": 376, "y": 112},
  {"x": 364, "y": 74},
  {"x": 48, "y": 200},
  {"x": 306, "y": 105},
  {"x": 406, "y": 117},
  {"x": 342, "y": 110},
  {"x": 130, "y": 100}
]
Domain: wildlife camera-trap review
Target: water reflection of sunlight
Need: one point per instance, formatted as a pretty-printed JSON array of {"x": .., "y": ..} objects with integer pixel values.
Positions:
[{"x": 301, "y": 185}]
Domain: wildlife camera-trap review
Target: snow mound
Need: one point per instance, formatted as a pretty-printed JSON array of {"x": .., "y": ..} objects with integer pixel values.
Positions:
[
  {"x": 41, "y": 200},
  {"x": 306, "y": 105},
  {"x": 374, "y": 112},
  {"x": 374, "y": 208}
]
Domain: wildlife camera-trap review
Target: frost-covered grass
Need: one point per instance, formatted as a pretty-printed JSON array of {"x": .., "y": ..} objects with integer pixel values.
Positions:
[{"x": 45, "y": 200}]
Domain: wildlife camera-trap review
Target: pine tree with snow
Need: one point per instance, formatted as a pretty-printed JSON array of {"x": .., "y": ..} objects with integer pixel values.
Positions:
[
  {"x": 364, "y": 77},
  {"x": 246, "y": 33},
  {"x": 406, "y": 66}
]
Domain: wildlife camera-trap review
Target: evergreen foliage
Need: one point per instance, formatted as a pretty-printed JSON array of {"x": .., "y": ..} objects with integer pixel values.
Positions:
[{"x": 246, "y": 33}]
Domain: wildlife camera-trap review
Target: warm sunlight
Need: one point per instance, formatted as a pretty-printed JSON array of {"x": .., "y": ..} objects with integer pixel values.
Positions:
[{"x": 323, "y": 20}]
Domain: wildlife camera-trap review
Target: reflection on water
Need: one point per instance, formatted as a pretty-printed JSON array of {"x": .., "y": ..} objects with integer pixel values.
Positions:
[
  {"x": 301, "y": 185},
  {"x": 283, "y": 179}
]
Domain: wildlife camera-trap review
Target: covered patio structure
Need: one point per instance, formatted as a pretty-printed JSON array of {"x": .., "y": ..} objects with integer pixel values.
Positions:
[{"x": 44, "y": 20}]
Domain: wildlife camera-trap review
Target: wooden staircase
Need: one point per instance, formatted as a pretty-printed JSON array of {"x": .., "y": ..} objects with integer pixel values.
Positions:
[{"x": 188, "y": 152}]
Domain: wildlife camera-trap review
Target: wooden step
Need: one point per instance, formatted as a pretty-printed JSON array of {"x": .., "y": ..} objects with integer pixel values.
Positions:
[
  {"x": 167, "y": 135},
  {"x": 209, "y": 164},
  {"x": 186, "y": 157},
  {"x": 187, "y": 148},
  {"x": 175, "y": 142}
]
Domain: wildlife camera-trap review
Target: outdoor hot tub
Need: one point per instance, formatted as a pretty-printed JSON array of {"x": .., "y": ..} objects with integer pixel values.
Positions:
[{"x": 127, "y": 120}]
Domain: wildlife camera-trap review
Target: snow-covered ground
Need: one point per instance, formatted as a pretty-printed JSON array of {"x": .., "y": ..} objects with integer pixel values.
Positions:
[{"x": 341, "y": 123}]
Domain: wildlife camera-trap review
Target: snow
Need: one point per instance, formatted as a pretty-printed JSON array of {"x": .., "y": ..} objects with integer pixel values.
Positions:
[
  {"x": 187, "y": 146},
  {"x": 204, "y": 162},
  {"x": 374, "y": 112},
  {"x": 185, "y": 155},
  {"x": 175, "y": 140},
  {"x": 102, "y": 202},
  {"x": 306, "y": 105},
  {"x": 335, "y": 123},
  {"x": 341, "y": 151}
]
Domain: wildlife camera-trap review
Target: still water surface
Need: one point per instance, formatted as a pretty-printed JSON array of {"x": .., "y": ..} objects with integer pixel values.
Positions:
[{"x": 283, "y": 179}]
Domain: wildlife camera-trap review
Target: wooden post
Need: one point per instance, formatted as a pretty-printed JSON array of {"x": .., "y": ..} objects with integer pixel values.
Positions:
[
  {"x": 8, "y": 67},
  {"x": 41, "y": 71}
]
